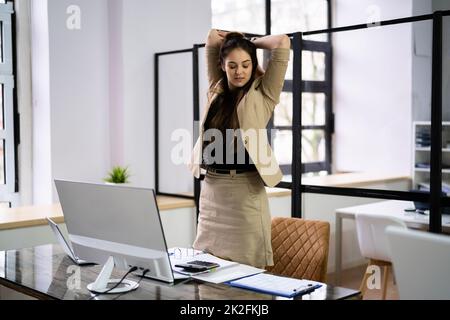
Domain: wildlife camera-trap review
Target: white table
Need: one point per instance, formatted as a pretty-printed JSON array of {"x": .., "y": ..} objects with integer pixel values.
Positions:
[{"x": 393, "y": 208}]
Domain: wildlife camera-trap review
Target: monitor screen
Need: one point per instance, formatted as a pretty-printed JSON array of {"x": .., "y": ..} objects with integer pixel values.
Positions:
[{"x": 115, "y": 220}]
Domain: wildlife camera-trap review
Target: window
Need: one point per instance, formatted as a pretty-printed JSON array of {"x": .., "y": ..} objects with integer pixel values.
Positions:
[
  {"x": 247, "y": 16},
  {"x": 287, "y": 16},
  {"x": 8, "y": 183}
]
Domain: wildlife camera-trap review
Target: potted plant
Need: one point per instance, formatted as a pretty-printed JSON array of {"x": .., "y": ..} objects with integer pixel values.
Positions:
[{"x": 118, "y": 174}]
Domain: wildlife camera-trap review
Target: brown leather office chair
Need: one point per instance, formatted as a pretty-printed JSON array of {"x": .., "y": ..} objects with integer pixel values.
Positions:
[{"x": 300, "y": 248}]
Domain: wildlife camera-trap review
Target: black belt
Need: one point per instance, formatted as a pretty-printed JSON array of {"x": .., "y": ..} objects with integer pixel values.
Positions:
[{"x": 225, "y": 171}]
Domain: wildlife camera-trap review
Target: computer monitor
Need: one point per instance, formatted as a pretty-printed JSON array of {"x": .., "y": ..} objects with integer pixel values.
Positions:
[
  {"x": 115, "y": 225},
  {"x": 64, "y": 243}
]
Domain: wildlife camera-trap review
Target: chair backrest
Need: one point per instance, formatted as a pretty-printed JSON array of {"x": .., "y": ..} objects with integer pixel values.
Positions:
[
  {"x": 421, "y": 262},
  {"x": 370, "y": 229},
  {"x": 300, "y": 248}
]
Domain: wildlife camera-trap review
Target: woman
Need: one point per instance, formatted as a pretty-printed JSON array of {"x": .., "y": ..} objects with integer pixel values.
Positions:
[{"x": 233, "y": 148}]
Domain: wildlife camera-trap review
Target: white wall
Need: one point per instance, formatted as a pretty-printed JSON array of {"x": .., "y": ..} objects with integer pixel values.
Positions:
[
  {"x": 42, "y": 172},
  {"x": 422, "y": 59},
  {"x": 150, "y": 27},
  {"x": 372, "y": 89},
  {"x": 79, "y": 91},
  {"x": 421, "y": 62},
  {"x": 349, "y": 12},
  {"x": 93, "y": 87},
  {"x": 71, "y": 95}
]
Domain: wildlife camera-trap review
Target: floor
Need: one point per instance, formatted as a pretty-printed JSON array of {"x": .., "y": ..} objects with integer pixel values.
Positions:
[{"x": 351, "y": 278}]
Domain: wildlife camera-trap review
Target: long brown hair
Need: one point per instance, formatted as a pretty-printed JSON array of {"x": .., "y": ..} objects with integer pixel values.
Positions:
[{"x": 226, "y": 103}]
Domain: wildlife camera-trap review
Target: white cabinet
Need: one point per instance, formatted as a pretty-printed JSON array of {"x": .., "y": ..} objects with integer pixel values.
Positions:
[{"x": 421, "y": 155}]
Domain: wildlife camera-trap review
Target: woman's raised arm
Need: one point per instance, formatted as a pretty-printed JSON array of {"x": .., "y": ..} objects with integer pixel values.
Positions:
[
  {"x": 215, "y": 38},
  {"x": 273, "y": 78},
  {"x": 214, "y": 41},
  {"x": 272, "y": 42}
]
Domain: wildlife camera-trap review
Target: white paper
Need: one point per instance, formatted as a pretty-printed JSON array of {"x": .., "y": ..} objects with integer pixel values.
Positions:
[{"x": 228, "y": 274}]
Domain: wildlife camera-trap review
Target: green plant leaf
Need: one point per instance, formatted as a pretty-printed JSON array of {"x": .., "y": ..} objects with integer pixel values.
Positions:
[{"x": 118, "y": 174}]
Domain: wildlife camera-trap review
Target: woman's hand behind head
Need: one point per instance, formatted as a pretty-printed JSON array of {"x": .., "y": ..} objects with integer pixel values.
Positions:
[{"x": 215, "y": 38}]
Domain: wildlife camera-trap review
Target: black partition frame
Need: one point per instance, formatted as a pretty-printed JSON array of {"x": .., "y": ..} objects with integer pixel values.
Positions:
[
  {"x": 156, "y": 114},
  {"x": 434, "y": 198}
]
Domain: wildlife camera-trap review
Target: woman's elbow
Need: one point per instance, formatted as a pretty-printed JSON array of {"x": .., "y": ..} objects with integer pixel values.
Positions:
[{"x": 284, "y": 42}]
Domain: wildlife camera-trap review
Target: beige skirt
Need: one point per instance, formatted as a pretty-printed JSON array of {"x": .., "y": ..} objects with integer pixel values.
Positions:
[{"x": 234, "y": 221}]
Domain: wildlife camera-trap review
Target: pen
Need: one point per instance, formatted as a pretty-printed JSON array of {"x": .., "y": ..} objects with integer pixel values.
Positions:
[
  {"x": 302, "y": 288},
  {"x": 307, "y": 288}
]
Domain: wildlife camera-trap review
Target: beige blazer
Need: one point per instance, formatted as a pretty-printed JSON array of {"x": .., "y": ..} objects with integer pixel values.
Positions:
[{"x": 254, "y": 112}]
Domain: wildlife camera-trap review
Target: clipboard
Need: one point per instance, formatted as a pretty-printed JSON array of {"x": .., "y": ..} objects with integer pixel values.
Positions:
[{"x": 276, "y": 285}]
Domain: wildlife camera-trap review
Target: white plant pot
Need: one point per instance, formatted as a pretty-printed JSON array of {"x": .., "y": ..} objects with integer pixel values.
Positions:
[{"x": 113, "y": 183}]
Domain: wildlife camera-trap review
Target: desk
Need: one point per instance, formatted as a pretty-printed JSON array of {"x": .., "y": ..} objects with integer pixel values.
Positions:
[
  {"x": 44, "y": 273},
  {"x": 392, "y": 208}
]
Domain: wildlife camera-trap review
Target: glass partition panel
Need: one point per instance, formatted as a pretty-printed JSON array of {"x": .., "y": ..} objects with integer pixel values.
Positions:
[
  {"x": 381, "y": 105},
  {"x": 2, "y": 162},
  {"x": 175, "y": 132},
  {"x": 446, "y": 105},
  {"x": 203, "y": 81},
  {"x": 2, "y": 107},
  {"x": 1, "y": 43}
]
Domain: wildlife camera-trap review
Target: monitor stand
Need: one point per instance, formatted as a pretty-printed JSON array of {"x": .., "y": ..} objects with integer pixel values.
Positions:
[{"x": 101, "y": 283}]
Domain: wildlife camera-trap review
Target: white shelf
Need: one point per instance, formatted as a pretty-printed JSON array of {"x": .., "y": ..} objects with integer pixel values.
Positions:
[
  {"x": 428, "y": 123},
  {"x": 429, "y": 149},
  {"x": 428, "y": 170},
  {"x": 422, "y": 154}
]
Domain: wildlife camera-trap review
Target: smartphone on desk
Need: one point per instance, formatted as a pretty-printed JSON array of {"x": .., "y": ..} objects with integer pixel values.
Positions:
[{"x": 197, "y": 266}]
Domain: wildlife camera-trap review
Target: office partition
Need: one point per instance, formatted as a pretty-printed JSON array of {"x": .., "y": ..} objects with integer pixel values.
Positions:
[
  {"x": 173, "y": 121},
  {"x": 445, "y": 62},
  {"x": 371, "y": 33},
  {"x": 434, "y": 196}
]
